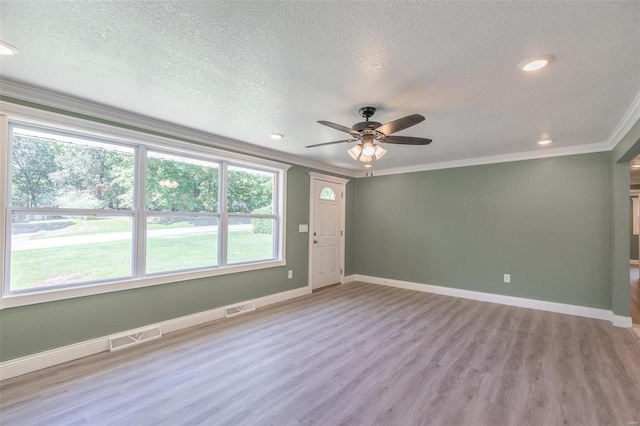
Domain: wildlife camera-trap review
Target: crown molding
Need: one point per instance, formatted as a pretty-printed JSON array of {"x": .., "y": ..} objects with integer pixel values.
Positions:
[
  {"x": 629, "y": 120},
  {"x": 69, "y": 104},
  {"x": 493, "y": 159}
]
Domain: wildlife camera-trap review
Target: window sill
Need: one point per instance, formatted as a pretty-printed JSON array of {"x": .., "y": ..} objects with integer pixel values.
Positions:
[{"x": 15, "y": 300}]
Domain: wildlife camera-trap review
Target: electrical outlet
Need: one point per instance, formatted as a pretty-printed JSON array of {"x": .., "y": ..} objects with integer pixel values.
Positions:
[
  {"x": 290, "y": 274},
  {"x": 507, "y": 278}
]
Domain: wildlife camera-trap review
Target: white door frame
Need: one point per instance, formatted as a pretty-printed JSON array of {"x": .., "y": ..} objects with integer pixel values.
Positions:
[{"x": 343, "y": 183}]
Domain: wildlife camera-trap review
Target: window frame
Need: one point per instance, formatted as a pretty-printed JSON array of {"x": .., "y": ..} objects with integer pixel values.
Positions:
[
  {"x": 276, "y": 198},
  {"x": 140, "y": 141}
]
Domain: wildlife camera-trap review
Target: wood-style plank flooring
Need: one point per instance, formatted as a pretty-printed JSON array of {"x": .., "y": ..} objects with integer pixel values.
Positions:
[{"x": 356, "y": 354}]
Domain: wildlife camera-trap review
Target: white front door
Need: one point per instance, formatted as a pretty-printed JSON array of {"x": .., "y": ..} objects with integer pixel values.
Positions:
[{"x": 326, "y": 232}]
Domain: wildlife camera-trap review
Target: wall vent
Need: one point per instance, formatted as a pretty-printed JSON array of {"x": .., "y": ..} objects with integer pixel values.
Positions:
[
  {"x": 232, "y": 311},
  {"x": 121, "y": 342}
]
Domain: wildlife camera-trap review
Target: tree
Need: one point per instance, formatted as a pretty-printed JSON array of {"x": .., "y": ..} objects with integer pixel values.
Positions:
[
  {"x": 61, "y": 174},
  {"x": 249, "y": 192},
  {"x": 93, "y": 178},
  {"x": 181, "y": 186},
  {"x": 33, "y": 161}
]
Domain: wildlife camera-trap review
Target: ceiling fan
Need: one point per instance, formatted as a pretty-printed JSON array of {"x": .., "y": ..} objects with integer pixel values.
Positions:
[{"x": 368, "y": 132}]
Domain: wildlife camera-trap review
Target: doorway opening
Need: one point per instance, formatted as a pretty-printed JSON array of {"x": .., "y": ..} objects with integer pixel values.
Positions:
[{"x": 634, "y": 240}]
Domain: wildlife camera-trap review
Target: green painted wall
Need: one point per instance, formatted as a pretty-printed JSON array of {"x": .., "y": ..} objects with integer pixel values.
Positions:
[
  {"x": 546, "y": 222},
  {"x": 350, "y": 226},
  {"x": 35, "y": 328}
]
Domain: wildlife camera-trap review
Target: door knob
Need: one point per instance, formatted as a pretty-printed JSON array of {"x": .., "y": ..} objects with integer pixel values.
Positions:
[{"x": 315, "y": 241}]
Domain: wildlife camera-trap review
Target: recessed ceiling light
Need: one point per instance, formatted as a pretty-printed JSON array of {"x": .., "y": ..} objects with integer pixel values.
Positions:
[
  {"x": 276, "y": 136},
  {"x": 7, "y": 49},
  {"x": 368, "y": 166},
  {"x": 534, "y": 64},
  {"x": 545, "y": 141}
]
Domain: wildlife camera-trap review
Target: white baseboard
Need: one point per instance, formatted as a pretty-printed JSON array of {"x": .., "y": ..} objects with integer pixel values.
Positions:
[
  {"x": 348, "y": 279},
  {"x": 620, "y": 321},
  {"x": 30, "y": 363},
  {"x": 541, "y": 305}
]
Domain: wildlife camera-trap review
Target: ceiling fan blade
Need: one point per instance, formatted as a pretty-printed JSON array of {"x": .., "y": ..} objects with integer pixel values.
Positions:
[
  {"x": 407, "y": 140},
  {"x": 341, "y": 128},
  {"x": 400, "y": 124},
  {"x": 330, "y": 143}
]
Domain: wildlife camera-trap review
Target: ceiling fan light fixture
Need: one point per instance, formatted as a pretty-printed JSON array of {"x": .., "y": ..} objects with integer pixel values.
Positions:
[
  {"x": 355, "y": 151},
  {"x": 379, "y": 152},
  {"x": 368, "y": 149},
  {"x": 369, "y": 132}
]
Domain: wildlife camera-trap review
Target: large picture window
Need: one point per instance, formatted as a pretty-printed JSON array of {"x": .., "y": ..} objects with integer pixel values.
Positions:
[{"x": 86, "y": 210}]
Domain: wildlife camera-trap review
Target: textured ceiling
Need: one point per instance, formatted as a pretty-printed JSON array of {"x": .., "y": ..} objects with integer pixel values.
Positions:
[{"x": 244, "y": 69}]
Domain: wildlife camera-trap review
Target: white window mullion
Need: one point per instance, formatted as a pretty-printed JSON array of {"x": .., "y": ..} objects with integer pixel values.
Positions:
[
  {"x": 140, "y": 215},
  {"x": 5, "y": 190},
  {"x": 224, "y": 217}
]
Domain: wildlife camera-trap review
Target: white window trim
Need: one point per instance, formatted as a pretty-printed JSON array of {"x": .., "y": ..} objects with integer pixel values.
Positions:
[{"x": 34, "y": 116}]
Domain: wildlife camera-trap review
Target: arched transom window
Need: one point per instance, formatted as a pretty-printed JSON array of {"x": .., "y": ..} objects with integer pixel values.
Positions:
[{"x": 327, "y": 194}]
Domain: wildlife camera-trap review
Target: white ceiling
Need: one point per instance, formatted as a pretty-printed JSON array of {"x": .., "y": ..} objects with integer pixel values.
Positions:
[{"x": 244, "y": 69}]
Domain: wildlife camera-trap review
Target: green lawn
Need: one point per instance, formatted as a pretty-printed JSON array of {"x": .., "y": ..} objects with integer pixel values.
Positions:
[{"x": 76, "y": 263}]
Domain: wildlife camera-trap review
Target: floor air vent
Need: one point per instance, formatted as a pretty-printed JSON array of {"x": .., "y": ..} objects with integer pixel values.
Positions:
[
  {"x": 232, "y": 311},
  {"x": 121, "y": 342}
]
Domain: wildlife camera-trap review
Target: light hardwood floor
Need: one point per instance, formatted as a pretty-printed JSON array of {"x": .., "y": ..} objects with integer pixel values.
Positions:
[{"x": 356, "y": 354}]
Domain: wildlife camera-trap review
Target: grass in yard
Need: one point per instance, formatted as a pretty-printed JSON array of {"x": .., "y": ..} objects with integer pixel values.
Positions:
[
  {"x": 65, "y": 265},
  {"x": 172, "y": 253},
  {"x": 248, "y": 246},
  {"x": 112, "y": 259}
]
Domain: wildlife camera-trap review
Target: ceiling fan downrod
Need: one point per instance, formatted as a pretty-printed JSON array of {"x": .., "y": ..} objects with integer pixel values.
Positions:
[{"x": 367, "y": 112}]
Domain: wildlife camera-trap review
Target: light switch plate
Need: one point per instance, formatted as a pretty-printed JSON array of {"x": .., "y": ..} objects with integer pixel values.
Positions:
[{"x": 303, "y": 228}]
